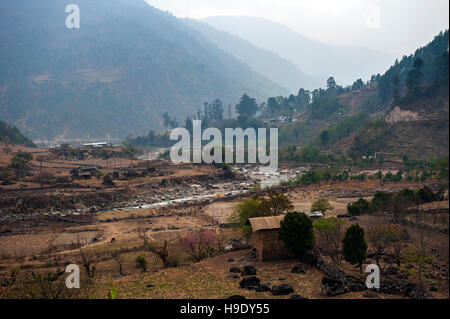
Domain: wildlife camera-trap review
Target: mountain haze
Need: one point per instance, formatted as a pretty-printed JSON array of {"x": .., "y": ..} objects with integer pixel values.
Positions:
[
  {"x": 345, "y": 64},
  {"x": 265, "y": 62}
]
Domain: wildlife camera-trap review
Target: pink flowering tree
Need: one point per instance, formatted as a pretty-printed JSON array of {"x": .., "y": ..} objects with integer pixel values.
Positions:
[{"x": 199, "y": 244}]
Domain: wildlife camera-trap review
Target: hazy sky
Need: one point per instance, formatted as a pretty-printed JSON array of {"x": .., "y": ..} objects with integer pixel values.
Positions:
[{"x": 398, "y": 26}]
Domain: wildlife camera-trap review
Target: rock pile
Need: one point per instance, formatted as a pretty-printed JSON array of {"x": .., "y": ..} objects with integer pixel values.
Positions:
[{"x": 282, "y": 290}]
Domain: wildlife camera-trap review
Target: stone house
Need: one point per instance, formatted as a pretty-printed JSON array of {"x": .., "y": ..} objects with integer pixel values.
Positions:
[{"x": 264, "y": 239}]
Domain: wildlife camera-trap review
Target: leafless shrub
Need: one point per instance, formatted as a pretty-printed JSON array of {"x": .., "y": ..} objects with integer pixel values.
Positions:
[
  {"x": 49, "y": 285},
  {"x": 13, "y": 276},
  {"x": 160, "y": 249},
  {"x": 378, "y": 236},
  {"x": 90, "y": 269},
  {"x": 330, "y": 232},
  {"x": 119, "y": 261},
  {"x": 397, "y": 241}
]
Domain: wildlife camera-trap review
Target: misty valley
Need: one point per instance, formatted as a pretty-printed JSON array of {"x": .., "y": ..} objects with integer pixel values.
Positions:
[{"x": 235, "y": 156}]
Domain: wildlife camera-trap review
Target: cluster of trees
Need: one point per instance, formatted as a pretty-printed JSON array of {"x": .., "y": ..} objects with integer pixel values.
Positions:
[
  {"x": 300, "y": 235},
  {"x": 259, "y": 206},
  {"x": 306, "y": 154},
  {"x": 324, "y": 101},
  {"x": 168, "y": 121},
  {"x": 286, "y": 106},
  {"x": 397, "y": 203},
  {"x": 429, "y": 168},
  {"x": 427, "y": 66},
  {"x": 335, "y": 174},
  {"x": 342, "y": 129},
  {"x": 20, "y": 163},
  {"x": 212, "y": 113},
  {"x": 316, "y": 176},
  {"x": 151, "y": 140},
  {"x": 404, "y": 79},
  {"x": 297, "y": 233}
]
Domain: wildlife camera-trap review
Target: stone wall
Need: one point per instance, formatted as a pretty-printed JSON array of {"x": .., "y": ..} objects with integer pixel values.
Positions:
[
  {"x": 268, "y": 246},
  {"x": 389, "y": 283}
]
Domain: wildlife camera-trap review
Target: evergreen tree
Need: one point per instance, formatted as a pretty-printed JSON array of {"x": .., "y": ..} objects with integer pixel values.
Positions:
[
  {"x": 415, "y": 75},
  {"x": 247, "y": 106},
  {"x": 297, "y": 233},
  {"x": 396, "y": 83},
  {"x": 354, "y": 245}
]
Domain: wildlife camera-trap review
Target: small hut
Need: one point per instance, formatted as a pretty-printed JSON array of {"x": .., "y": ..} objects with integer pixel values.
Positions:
[{"x": 264, "y": 239}]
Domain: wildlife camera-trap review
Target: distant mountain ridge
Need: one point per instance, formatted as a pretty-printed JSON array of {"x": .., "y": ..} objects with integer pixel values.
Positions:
[
  {"x": 127, "y": 64},
  {"x": 345, "y": 64},
  {"x": 265, "y": 62}
]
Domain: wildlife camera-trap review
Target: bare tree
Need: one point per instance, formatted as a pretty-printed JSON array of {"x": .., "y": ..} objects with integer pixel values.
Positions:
[
  {"x": 90, "y": 269},
  {"x": 119, "y": 261},
  {"x": 199, "y": 244},
  {"x": 48, "y": 285},
  {"x": 330, "y": 233},
  {"x": 378, "y": 236},
  {"x": 160, "y": 249},
  {"x": 399, "y": 236}
]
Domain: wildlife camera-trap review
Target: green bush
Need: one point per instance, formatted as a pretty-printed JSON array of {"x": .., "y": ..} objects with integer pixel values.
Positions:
[
  {"x": 25, "y": 155},
  {"x": 359, "y": 207},
  {"x": 426, "y": 195},
  {"x": 297, "y": 233},
  {"x": 141, "y": 262},
  {"x": 246, "y": 209},
  {"x": 381, "y": 201}
]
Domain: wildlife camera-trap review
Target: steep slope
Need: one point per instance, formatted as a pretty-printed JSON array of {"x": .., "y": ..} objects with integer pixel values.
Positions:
[
  {"x": 12, "y": 135},
  {"x": 420, "y": 128},
  {"x": 268, "y": 64},
  {"x": 127, "y": 64},
  {"x": 346, "y": 64},
  {"x": 418, "y": 125}
]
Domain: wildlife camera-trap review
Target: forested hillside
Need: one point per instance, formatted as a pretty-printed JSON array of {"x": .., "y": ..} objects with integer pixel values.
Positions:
[
  {"x": 403, "y": 111},
  {"x": 406, "y": 116},
  {"x": 127, "y": 64},
  {"x": 12, "y": 135}
]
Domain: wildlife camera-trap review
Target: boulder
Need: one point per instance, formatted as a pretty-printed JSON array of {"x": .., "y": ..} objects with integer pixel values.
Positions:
[
  {"x": 263, "y": 287},
  {"x": 235, "y": 270},
  {"x": 5, "y": 282},
  {"x": 282, "y": 290},
  {"x": 332, "y": 287},
  {"x": 107, "y": 181},
  {"x": 250, "y": 283},
  {"x": 298, "y": 269},
  {"x": 249, "y": 271}
]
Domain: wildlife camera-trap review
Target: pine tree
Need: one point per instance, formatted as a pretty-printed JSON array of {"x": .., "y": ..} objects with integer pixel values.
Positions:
[{"x": 354, "y": 245}]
